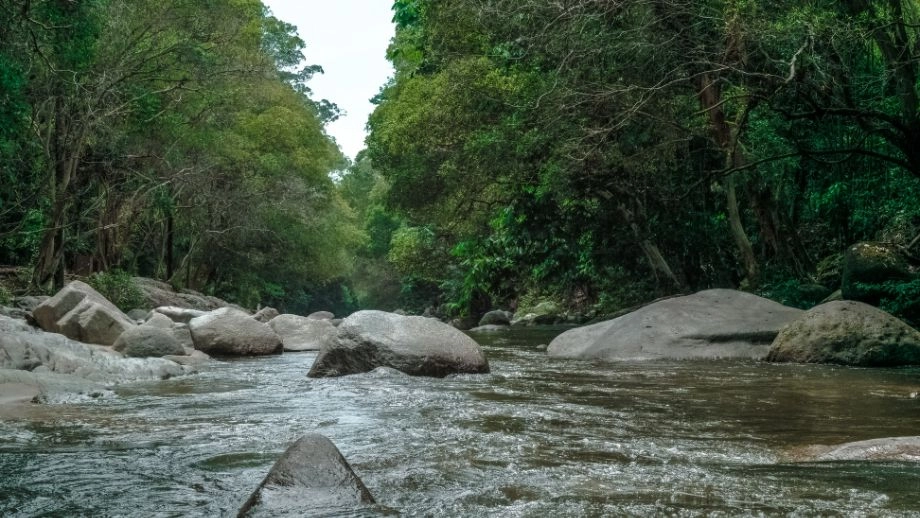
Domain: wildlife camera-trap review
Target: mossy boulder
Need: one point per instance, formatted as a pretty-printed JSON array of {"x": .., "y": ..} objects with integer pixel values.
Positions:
[
  {"x": 847, "y": 333},
  {"x": 867, "y": 266}
]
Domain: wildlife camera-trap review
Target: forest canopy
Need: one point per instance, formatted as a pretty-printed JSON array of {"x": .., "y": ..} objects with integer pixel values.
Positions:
[
  {"x": 174, "y": 139},
  {"x": 604, "y": 153},
  {"x": 593, "y": 153}
]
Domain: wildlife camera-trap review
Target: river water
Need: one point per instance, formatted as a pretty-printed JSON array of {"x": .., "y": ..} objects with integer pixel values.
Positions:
[{"x": 538, "y": 437}]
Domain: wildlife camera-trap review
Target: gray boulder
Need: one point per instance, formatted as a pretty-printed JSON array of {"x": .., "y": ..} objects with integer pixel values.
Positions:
[
  {"x": 179, "y": 315},
  {"x": 228, "y": 331},
  {"x": 23, "y": 347},
  {"x": 265, "y": 314},
  {"x": 158, "y": 293},
  {"x": 81, "y": 313},
  {"x": 415, "y": 345},
  {"x": 302, "y": 333},
  {"x": 148, "y": 342},
  {"x": 321, "y": 315},
  {"x": 847, "y": 333},
  {"x": 708, "y": 324},
  {"x": 496, "y": 318},
  {"x": 160, "y": 320},
  {"x": 311, "y": 478}
]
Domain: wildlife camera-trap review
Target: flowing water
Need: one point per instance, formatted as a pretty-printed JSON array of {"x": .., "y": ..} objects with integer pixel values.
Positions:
[{"x": 538, "y": 437}]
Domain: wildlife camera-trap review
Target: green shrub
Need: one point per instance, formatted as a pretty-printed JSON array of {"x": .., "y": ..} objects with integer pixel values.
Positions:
[
  {"x": 6, "y": 296},
  {"x": 119, "y": 288}
]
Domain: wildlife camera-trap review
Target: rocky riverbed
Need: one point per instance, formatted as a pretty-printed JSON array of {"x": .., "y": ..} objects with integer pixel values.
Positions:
[{"x": 537, "y": 436}]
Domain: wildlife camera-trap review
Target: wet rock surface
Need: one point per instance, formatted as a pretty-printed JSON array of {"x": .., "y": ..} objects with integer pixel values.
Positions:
[
  {"x": 311, "y": 478},
  {"x": 708, "y": 324},
  {"x": 231, "y": 332},
  {"x": 847, "y": 333},
  {"x": 302, "y": 333},
  {"x": 415, "y": 345}
]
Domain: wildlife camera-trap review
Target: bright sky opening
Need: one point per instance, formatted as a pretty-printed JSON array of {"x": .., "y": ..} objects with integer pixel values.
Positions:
[{"x": 348, "y": 38}]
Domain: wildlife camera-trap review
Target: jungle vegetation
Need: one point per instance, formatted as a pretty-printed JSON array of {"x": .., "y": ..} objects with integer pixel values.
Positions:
[{"x": 598, "y": 153}]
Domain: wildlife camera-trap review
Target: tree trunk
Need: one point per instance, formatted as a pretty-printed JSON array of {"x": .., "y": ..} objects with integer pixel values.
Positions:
[
  {"x": 652, "y": 253},
  {"x": 710, "y": 96}
]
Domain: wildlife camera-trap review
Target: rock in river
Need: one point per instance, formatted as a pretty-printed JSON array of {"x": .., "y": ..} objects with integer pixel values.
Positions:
[
  {"x": 311, "y": 478},
  {"x": 709, "y": 324},
  {"x": 25, "y": 348},
  {"x": 81, "y": 313},
  {"x": 228, "y": 331},
  {"x": 302, "y": 333},
  {"x": 888, "y": 449},
  {"x": 847, "y": 333},
  {"x": 148, "y": 342},
  {"x": 415, "y": 345}
]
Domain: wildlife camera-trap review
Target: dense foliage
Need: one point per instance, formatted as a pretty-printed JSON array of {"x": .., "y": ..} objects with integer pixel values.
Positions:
[
  {"x": 175, "y": 139},
  {"x": 607, "y": 152}
]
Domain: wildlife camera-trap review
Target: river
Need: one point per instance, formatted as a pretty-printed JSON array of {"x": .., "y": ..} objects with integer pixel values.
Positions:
[{"x": 538, "y": 437}]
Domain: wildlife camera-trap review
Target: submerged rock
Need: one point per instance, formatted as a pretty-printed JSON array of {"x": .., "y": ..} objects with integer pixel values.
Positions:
[
  {"x": 81, "y": 313},
  {"x": 847, "y": 333},
  {"x": 708, "y": 324},
  {"x": 888, "y": 449},
  {"x": 415, "y": 345},
  {"x": 302, "y": 333},
  {"x": 311, "y": 478},
  {"x": 232, "y": 332}
]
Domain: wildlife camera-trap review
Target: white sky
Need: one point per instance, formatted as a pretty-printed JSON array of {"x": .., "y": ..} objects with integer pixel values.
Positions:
[{"x": 348, "y": 38}]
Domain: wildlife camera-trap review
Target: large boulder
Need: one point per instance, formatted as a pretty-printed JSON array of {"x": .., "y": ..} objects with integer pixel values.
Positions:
[
  {"x": 848, "y": 333},
  {"x": 321, "y": 315},
  {"x": 868, "y": 265},
  {"x": 23, "y": 347},
  {"x": 231, "y": 332},
  {"x": 157, "y": 293},
  {"x": 302, "y": 333},
  {"x": 709, "y": 324},
  {"x": 496, "y": 318},
  {"x": 415, "y": 345},
  {"x": 81, "y": 313},
  {"x": 148, "y": 342},
  {"x": 311, "y": 478}
]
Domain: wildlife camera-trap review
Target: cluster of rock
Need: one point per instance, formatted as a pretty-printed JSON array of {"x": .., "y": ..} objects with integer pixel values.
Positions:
[{"x": 731, "y": 324}]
